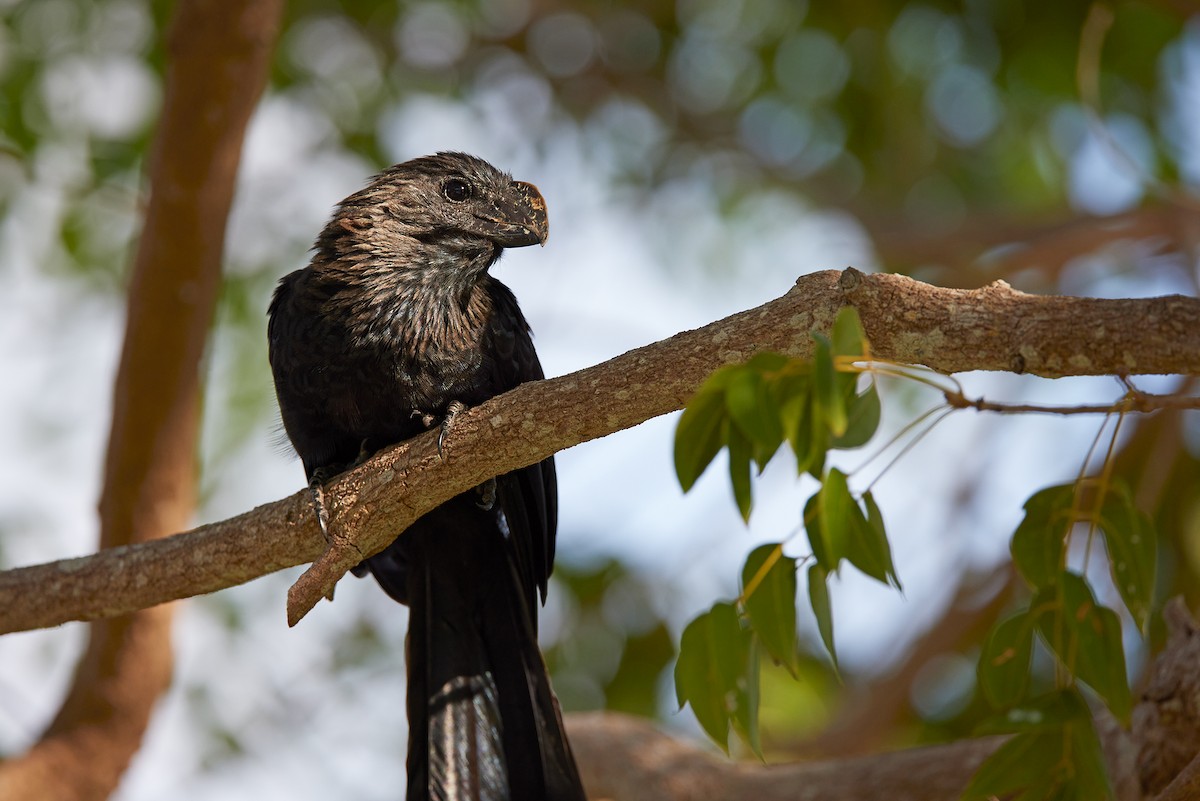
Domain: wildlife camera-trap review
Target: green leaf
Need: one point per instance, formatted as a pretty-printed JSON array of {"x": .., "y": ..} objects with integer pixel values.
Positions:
[
  {"x": 712, "y": 657},
  {"x": 739, "y": 470},
  {"x": 771, "y": 603},
  {"x": 849, "y": 339},
  {"x": 823, "y": 549},
  {"x": 1133, "y": 552},
  {"x": 818, "y": 443},
  {"x": 1004, "y": 663},
  {"x": 792, "y": 394},
  {"x": 862, "y": 420},
  {"x": 699, "y": 435},
  {"x": 1040, "y": 541},
  {"x": 818, "y": 597},
  {"x": 819, "y": 446},
  {"x": 867, "y": 547},
  {"x": 802, "y": 426},
  {"x": 1054, "y": 755},
  {"x": 1025, "y": 760},
  {"x": 747, "y": 698},
  {"x": 1090, "y": 774},
  {"x": 1047, "y": 712},
  {"x": 753, "y": 409},
  {"x": 835, "y": 514},
  {"x": 875, "y": 518},
  {"x": 768, "y": 361},
  {"x": 830, "y": 402},
  {"x": 631, "y": 688},
  {"x": 1086, "y": 637}
]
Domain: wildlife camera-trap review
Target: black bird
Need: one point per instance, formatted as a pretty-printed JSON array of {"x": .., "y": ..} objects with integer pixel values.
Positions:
[{"x": 393, "y": 327}]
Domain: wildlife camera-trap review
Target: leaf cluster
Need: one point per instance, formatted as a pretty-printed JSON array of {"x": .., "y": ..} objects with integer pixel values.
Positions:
[
  {"x": 751, "y": 410},
  {"x": 815, "y": 405},
  {"x": 1055, "y": 752}
]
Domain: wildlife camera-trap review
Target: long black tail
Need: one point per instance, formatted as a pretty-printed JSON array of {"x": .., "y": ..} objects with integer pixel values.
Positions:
[{"x": 484, "y": 724}]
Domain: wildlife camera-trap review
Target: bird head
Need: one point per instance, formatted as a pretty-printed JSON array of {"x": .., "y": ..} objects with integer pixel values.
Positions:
[{"x": 448, "y": 202}]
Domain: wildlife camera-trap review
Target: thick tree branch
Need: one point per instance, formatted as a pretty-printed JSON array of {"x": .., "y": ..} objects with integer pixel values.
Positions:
[{"x": 994, "y": 328}]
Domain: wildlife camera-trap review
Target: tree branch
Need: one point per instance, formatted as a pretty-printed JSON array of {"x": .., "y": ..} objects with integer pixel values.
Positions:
[
  {"x": 994, "y": 328},
  {"x": 1134, "y": 401},
  {"x": 623, "y": 758}
]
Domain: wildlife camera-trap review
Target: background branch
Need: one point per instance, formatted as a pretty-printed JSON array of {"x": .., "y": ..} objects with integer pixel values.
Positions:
[
  {"x": 150, "y": 472},
  {"x": 994, "y": 328},
  {"x": 623, "y": 758},
  {"x": 629, "y": 759}
]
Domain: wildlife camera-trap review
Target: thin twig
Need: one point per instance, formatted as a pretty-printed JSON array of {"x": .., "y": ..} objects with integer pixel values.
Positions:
[{"x": 1135, "y": 401}]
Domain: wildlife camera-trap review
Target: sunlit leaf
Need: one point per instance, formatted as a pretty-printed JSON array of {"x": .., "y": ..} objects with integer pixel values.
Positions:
[
  {"x": 1133, "y": 552},
  {"x": 771, "y": 603},
  {"x": 822, "y": 548},
  {"x": 1039, "y": 543},
  {"x": 712, "y": 656},
  {"x": 1004, "y": 663},
  {"x": 818, "y": 443},
  {"x": 819, "y": 449},
  {"x": 848, "y": 337},
  {"x": 818, "y": 597},
  {"x": 1086, "y": 637},
  {"x": 835, "y": 514},
  {"x": 862, "y": 420},
  {"x": 868, "y": 548},
  {"x": 753, "y": 410},
  {"x": 830, "y": 402},
  {"x": 739, "y": 470},
  {"x": 767, "y": 361},
  {"x": 747, "y": 698},
  {"x": 792, "y": 396},
  {"x": 699, "y": 436}
]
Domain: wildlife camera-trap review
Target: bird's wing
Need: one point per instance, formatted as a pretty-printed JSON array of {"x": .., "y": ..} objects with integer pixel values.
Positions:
[{"x": 528, "y": 497}]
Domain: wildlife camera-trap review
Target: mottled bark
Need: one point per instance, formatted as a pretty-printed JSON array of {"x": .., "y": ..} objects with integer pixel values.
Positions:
[{"x": 952, "y": 330}]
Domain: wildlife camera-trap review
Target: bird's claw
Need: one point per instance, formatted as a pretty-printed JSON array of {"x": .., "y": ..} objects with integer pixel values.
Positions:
[
  {"x": 453, "y": 410},
  {"x": 317, "y": 493}
]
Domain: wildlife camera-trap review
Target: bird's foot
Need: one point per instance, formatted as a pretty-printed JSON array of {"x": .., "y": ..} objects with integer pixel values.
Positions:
[
  {"x": 453, "y": 410},
  {"x": 487, "y": 495},
  {"x": 316, "y": 491}
]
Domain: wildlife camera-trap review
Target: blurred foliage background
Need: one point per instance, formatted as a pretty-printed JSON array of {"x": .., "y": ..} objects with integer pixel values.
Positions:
[{"x": 703, "y": 153}]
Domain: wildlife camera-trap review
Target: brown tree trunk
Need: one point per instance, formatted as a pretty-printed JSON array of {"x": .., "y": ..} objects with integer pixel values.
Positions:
[{"x": 219, "y": 53}]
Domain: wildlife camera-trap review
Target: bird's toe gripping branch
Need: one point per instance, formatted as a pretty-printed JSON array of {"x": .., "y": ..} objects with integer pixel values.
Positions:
[
  {"x": 316, "y": 491},
  {"x": 452, "y": 411}
]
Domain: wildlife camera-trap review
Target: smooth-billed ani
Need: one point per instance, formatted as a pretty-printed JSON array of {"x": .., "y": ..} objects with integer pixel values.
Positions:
[{"x": 393, "y": 326}]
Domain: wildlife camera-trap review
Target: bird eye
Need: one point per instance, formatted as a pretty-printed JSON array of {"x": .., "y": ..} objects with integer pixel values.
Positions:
[{"x": 456, "y": 190}]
